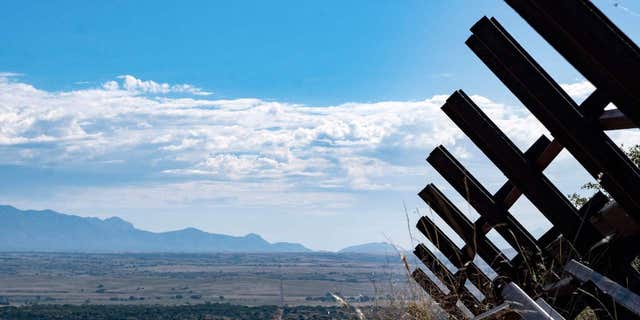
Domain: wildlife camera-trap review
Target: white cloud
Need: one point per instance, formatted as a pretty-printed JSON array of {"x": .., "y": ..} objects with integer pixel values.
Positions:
[
  {"x": 133, "y": 84},
  {"x": 111, "y": 85},
  {"x": 4, "y": 76},
  {"x": 331, "y": 147},
  {"x": 243, "y": 155},
  {"x": 579, "y": 90}
]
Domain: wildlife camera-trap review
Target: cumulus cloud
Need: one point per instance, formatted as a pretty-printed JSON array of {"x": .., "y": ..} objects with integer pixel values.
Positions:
[
  {"x": 133, "y": 84},
  {"x": 340, "y": 147}
]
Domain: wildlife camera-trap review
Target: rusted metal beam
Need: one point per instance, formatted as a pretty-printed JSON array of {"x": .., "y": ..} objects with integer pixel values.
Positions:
[
  {"x": 618, "y": 293},
  {"x": 495, "y": 214},
  {"x": 564, "y": 248},
  {"x": 428, "y": 285},
  {"x": 549, "y": 236},
  {"x": 463, "y": 260},
  {"x": 465, "y": 229},
  {"x": 553, "y": 313},
  {"x": 584, "y": 36},
  {"x": 446, "y": 303},
  {"x": 479, "y": 279},
  {"x": 441, "y": 241},
  {"x": 437, "y": 267},
  {"x": 542, "y": 152},
  {"x": 593, "y": 107},
  {"x": 522, "y": 173},
  {"x": 455, "y": 285},
  {"x": 519, "y": 303},
  {"x": 615, "y": 120},
  {"x": 522, "y": 304},
  {"x": 558, "y": 112}
]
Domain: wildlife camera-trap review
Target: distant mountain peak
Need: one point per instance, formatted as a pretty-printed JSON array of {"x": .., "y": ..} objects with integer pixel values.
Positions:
[
  {"x": 52, "y": 231},
  {"x": 371, "y": 248},
  {"x": 191, "y": 230},
  {"x": 253, "y": 236},
  {"x": 116, "y": 221}
]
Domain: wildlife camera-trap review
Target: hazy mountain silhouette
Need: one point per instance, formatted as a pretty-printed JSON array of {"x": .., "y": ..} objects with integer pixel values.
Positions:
[
  {"x": 48, "y": 230},
  {"x": 371, "y": 248}
]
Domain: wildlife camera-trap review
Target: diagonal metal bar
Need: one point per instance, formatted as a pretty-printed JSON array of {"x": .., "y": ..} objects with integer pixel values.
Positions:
[
  {"x": 455, "y": 285},
  {"x": 593, "y": 106},
  {"x": 618, "y": 293},
  {"x": 521, "y": 172},
  {"x": 542, "y": 152},
  {"x": 479, "y": 279},
  {"x": 436, "y": 294},
  {"x": 592, "y": 44},
  {"x": 439, "y": 239},
  {"x": 538, "y": 92},
  {"x": 591, "y": 207},
  {"x": 508, "y": 194},
  {"x": 437, "y": 267},
  {"x": 465, "y": 229},
  {"x": 481, "y": 200},
  {"x": 615, "y": 120},
  {"x": 461, "y": 260}
]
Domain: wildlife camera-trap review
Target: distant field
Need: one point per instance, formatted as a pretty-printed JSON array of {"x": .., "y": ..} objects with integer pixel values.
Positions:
[
  {"x": 181, "y": 279},
  {"x": 209, "y": 311}
]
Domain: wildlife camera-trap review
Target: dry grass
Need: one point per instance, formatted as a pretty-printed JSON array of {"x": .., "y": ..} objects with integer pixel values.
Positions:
[
  {"x": 587, "y": 314},
  {"x": 539, "y": 274},
  {"x": 407, "y": 301}
]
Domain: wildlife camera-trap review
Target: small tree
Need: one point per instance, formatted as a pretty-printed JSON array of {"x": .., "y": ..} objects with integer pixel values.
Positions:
[
  {"x": 634, "y": 154},
  {"x": 578, "y": 200}
]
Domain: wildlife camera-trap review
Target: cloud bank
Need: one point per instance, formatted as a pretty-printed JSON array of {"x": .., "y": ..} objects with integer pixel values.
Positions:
[{"x": 180, "y": 136}]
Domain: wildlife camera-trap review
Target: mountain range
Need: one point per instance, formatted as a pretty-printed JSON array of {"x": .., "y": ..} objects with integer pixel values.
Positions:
[{"x": 50, "y": 231}]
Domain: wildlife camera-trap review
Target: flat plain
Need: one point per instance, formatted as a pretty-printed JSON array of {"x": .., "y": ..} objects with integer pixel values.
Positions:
[{"x": 180, "y": 279}]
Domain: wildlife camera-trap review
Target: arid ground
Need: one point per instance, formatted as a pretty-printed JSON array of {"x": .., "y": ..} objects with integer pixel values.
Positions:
[{"x": 173, "y": 279}]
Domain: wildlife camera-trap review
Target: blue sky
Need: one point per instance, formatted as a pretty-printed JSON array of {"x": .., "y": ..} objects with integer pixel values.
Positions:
[{"x": 301, "y": 121}]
